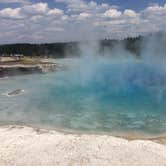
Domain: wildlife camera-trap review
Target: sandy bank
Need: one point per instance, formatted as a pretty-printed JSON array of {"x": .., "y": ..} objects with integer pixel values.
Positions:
[
  {"x": 24, "y": 146},
  {"x": 13, "y": 67}
]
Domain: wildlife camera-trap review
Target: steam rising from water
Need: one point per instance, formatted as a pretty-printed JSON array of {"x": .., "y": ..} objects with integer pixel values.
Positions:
[{"x": 114, "y": 93}]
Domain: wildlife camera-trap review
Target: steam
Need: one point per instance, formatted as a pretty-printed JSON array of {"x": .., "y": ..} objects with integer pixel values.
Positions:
[
  {"x": 69, "y": 98},
  {"x": 153, "y": 54},
  {"x": 147, "y": 71},
  {"x": 154, "y": 51}
]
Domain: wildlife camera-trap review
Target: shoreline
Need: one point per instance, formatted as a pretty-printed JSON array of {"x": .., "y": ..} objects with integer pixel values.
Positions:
[
  {"x": 21, "y": 145},
  {"x": 127, "y": 136},
  {"x": 27, "y": 66}
]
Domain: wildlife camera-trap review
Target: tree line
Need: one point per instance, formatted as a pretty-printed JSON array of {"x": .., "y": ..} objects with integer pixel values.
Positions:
[{"x": 62, "y": 50}]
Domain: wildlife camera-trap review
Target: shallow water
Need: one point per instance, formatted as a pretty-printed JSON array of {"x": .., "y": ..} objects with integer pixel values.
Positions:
[{"x": 91, "y": 96}]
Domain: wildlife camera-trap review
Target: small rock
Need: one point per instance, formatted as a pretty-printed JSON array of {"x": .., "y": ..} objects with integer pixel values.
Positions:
[{"x": 15, "y": 92}]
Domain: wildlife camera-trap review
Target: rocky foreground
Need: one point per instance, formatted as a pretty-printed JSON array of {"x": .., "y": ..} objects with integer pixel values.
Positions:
[{"x": 25, "y": 146}]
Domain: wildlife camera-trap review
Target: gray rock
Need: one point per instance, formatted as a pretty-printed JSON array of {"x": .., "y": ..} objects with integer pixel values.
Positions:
[{"x": 15, "y": 92}]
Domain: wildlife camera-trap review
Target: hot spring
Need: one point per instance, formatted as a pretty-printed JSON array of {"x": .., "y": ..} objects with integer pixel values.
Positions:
[{"x": 96, "y": 95}]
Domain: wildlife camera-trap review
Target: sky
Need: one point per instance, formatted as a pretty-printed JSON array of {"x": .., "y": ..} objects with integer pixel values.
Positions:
[{"x": 46, "y": 21}]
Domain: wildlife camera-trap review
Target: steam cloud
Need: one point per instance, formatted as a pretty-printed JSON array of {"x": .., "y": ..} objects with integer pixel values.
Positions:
[{"x": 118, "y": 70}]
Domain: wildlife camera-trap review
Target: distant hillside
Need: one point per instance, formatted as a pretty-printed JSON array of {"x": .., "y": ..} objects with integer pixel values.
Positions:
[{"x": 62, "y": 50}]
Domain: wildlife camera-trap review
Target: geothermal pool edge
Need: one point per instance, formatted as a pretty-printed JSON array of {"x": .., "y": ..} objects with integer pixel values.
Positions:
[{"x": 25, "y": 146}]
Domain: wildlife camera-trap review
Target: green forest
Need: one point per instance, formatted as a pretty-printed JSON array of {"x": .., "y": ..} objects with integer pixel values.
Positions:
[{"x": 62, "y": 50}]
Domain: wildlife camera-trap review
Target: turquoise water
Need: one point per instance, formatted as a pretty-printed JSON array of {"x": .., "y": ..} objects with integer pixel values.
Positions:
[{"x": 100, "y": 96}]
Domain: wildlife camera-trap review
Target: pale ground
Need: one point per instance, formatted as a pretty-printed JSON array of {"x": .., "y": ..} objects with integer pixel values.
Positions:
[{"x": 24, "y": 146}]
